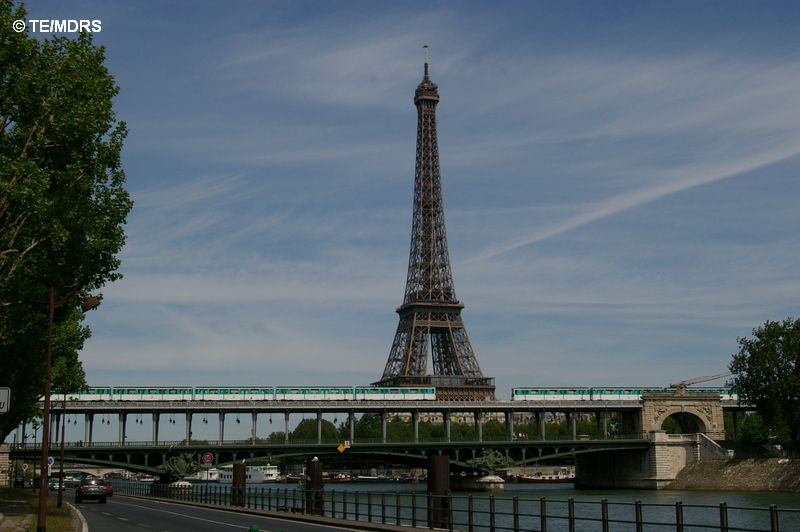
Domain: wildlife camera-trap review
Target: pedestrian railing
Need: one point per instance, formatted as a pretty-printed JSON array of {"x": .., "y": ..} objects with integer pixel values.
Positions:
[{"x": 482, "y": 513}]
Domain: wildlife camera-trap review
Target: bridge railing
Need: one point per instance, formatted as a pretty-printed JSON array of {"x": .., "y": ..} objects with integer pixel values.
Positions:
[
  {"x": 71, "y": 445},
  {"x": 474, "y": 512}
]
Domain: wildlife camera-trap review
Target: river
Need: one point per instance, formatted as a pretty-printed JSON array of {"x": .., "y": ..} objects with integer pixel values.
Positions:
[{"x": 700, "y": 510}]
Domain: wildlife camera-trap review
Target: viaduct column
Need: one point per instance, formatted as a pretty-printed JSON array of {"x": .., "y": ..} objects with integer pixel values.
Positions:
[
  {"x": 351, "y": 420},
  {"x": 255, "y": 426},
  {"x": 286, "y": 427},
  {"x": 123, "y": 420},
  {"x": 88, "y": 426},
  {"x": 319, "y": 427},
  {"x": 383, "y": 426},
  {"x": 156, "y": 421},
  {"x": 188, "y": 427},
  {"x": 415, "y": 423},
  {"x": 478, "y": 424},
  {"x": 221, "y": 427},
  {"x": 446, "y": 415},
  {"x": 510, "y": 425}
]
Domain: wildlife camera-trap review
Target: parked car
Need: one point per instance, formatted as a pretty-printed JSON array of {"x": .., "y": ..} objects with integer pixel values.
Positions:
[
  {"x": 109, "y": 488},
  {"x": 53, "y": 483},
  {"x": 91, "y": 488},
  {"x": 19, "y": 482}
]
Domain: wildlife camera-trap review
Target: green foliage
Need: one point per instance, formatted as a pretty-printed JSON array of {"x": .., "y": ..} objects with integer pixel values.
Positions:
[
  {"x": 306, "y": 430},
  {"x": 62, "y": 202},
  {"x": 753, "y": 430},
  {"x": 671, "y": 426},
  {"x": 767, "y": 376}
]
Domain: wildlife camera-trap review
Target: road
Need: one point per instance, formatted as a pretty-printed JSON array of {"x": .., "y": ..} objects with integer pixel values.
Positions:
[{"x": 124, "y": 514}]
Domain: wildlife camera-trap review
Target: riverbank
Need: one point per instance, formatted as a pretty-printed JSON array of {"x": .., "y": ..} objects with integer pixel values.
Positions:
[{"x": 758, "y": 474}]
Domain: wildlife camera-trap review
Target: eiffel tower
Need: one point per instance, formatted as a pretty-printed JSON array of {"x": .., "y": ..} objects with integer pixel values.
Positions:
[{"x": 430, "y": 316}]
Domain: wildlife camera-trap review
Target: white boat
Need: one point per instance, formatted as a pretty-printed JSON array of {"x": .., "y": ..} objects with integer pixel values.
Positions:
[
  {"x": 255, "y": 474},
  {"x": 210, "y": 476}
]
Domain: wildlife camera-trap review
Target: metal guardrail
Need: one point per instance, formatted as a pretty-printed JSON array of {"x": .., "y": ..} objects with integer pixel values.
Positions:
[{"x": 483, "y": 513}]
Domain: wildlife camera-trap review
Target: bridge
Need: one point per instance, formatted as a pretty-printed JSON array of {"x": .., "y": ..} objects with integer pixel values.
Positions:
[{"x": 638, "y": 443}]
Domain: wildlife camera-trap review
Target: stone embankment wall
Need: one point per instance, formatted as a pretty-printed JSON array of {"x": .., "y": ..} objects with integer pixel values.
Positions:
[{"x": 762, "y": 474}]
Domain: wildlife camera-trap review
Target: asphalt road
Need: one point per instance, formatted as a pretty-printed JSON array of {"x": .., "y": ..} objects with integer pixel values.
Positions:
[{"x": 123, "y": 514}]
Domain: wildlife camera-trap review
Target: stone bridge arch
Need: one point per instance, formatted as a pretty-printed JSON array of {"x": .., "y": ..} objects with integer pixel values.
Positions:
[{"x": 694, "y": 411}]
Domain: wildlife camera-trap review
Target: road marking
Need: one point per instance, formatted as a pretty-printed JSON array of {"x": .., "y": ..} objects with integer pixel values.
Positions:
[
  {"x": 122, "y": 518},
  {"x": 193, "y": 517},
  {"x": 107, "y": 514},
  {"x": 318, "y": 526}
]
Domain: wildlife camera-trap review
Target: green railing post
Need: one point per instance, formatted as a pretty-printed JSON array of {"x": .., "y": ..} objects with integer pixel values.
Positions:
[
  {"x": 383, "y": 508},
  {"x": 269, "y": 499},
  {"x": 604, "y": 514},
  {"x": 638, "y": 516},
  {"x": 516, "y": 514},
  {"x": 469, "y": 514},
  {"x": 369, "y": 507},
  {"x": 397, "y": 508},
  {"x": 344, "y": 504},
  {"x": 413, "y": 509},
  {"x": 773, "y": 518},
  {"x": 333, "y": 503},
  {"x": 571, "y": 514},
  {"x": 679, "y": 516},
  {"x": 723, "y": 517},
  {"x": 358, "y": 512},
  {"x": 491, "y": 513},
  {"x": 543, "y": 514}
]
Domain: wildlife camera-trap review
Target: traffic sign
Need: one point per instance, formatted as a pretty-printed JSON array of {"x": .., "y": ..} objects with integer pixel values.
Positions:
[
  {"x": 5, "y": 399},
  {"x": 207, "y": 457},
  {"x": 341, "y": 448},
  {"x": 346, "y": 444},
  {"x": 24, "y": 467},
  {"x": 51, "y": 460}
]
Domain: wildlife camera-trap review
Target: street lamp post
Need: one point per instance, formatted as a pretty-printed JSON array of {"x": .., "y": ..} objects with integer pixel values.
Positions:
[
  {"x": 88, "y": 304},
  {"x": 41, "y": 525}
]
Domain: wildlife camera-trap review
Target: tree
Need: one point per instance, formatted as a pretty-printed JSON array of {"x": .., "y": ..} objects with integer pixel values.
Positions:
[
  {"x": 62, "y": 201},
  {"x": 766, "y": 375}
]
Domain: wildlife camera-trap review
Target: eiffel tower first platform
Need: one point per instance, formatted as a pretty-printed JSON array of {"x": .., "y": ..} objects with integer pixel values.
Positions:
[{"x": 430, "y": 316}]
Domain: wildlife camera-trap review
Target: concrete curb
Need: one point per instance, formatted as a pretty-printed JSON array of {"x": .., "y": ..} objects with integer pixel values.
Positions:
[{"x": 84, "y": 524}]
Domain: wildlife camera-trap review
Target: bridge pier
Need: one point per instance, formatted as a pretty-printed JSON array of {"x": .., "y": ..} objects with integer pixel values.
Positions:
[
  {"x": 286, "y": 427},
  {"x": 254, "y": 431},
  {"x": 446, "y": 418},
  {"x": 510, "y": 425},
  {"x": 221, "y": 428},
  {"x": 415, "y": 423},
  {"x": 652, "y": 468},
  {"x": 540, "y": 421},
  {"x": 439, "y": 491},
  {"x": 384, "y": 415},
  {"x": 319, "y": 427},
  {"x": 478, "y": 417}
]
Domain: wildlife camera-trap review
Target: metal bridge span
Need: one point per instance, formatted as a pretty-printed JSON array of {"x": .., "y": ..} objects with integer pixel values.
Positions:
[
  {"x": 700, "y": 412},
  {"x": 639, "y": 447}
]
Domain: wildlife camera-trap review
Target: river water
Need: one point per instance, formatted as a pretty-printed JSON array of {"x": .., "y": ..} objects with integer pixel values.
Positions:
[{"x": 700, "y": 510}]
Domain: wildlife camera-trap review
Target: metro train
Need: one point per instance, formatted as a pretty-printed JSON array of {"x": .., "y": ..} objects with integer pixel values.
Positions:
[
  {"x": 354, "y": 393},
  {"x": 603, "y": 394},
  {"x": 293, "y": 393}
]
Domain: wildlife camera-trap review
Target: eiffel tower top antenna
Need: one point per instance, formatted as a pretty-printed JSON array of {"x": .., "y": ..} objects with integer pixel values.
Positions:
[{"x": 427, "y": 59}]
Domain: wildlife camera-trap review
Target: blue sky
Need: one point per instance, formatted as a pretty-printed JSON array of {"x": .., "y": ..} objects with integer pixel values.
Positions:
[{"x": 620, "y": 184}]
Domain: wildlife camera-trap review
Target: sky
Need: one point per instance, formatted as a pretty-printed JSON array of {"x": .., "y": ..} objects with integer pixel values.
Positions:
[{"x": 620, "y": 185}]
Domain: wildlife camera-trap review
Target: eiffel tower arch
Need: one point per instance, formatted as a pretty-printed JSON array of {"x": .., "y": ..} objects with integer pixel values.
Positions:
[{"x": 430, "y": 316}]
